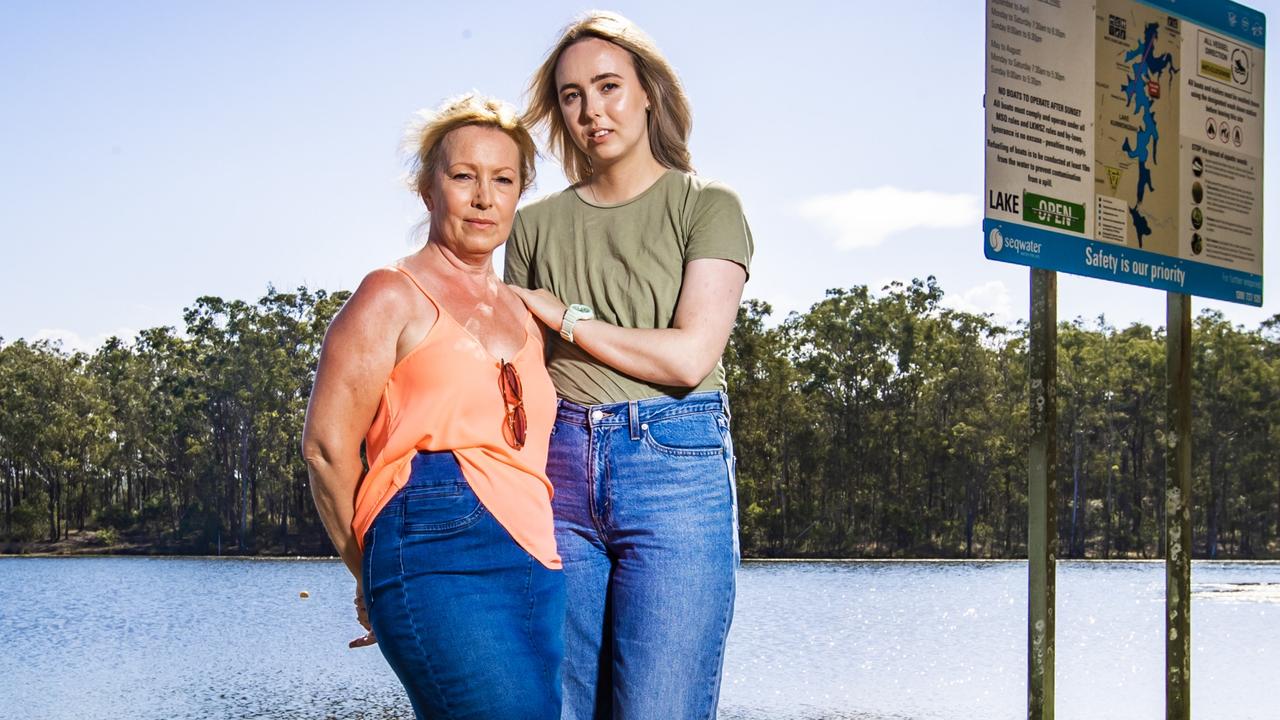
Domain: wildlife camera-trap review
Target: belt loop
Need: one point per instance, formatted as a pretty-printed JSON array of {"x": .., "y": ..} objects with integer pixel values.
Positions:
[
  {"x": 633, "y": 416},
  {"x": 724, "y": 405}
]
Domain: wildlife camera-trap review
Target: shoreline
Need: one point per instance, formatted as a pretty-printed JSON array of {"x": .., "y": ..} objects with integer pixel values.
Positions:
[
  {"x": 108, "y": 553},
  {"x": 89, "y": 543}
]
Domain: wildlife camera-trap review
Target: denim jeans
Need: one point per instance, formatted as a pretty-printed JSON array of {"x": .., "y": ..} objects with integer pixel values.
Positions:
[
  {"x": 470, "y": 622},
  {"x": 646, "y": 524}
]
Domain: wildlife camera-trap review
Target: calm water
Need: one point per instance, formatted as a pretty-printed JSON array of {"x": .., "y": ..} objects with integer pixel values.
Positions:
[{"x": 203, "y": 638}]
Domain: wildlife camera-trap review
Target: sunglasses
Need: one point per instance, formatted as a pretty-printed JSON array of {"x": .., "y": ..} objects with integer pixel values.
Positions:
[{"x": 513, "y": 397}]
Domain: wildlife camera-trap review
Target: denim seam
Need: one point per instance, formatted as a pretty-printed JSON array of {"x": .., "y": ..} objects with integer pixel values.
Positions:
[
  {"x": 719, "y": 449},
  {"x": 528, "y": 617},
  {"x": 676, "y": 409},
  {"x": 633, "y": 419},
  {"x": 735, "y": 560},
  {"x": 440, "y": 528},
  {"x": 598, "y": 484},
  {"x": 679, "y": 411},
  {"x": 417, "y": 636},
  {"x": 726, "y": 618},
  {"x": 651, "y": 415},
  {"x": 682, "y": 452},
  {"x": 731, "y": 463},
  {"x": 366, "y": 562},
  {"x": 428, "y": 491}
]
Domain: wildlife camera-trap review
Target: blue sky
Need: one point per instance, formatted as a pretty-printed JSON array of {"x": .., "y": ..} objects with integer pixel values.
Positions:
[{"x": 153, "y": 152}]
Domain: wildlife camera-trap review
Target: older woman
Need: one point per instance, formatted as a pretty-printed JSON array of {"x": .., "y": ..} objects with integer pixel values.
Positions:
[
  {"x": 651, "y": 261},
  {"x": 438, "y": 367}
]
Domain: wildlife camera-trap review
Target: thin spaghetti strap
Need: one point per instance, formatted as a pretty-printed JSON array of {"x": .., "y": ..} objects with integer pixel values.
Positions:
[
  {"x": 416, "y": 284},
  {"x": 531, "y": 323}
]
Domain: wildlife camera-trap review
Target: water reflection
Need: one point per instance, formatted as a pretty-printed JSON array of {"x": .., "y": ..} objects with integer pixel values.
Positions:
[
  {"x": 201, "y": 638},
  {"x": 1238, "y": 592}
]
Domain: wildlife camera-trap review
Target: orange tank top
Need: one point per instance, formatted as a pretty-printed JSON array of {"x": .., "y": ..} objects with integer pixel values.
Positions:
[{"x": 444, "y": 395}]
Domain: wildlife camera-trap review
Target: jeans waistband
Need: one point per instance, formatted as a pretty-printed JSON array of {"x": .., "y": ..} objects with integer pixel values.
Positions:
[{"x": 638, "y": 411}]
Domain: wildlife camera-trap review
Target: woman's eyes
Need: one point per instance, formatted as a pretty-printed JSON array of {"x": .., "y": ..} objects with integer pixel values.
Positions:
[
  {"x": 573, "y": 95},
  {"x": 467, "y": 177}
]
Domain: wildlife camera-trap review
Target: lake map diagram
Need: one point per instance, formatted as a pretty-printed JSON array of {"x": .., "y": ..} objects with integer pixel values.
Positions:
[{"x": 1136, "y": 175}]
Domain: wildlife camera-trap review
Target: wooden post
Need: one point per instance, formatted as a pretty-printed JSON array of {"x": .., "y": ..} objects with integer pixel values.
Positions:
[
  {"x": 1177, "y": 519},
  {"x": 1042, "y": 525}
]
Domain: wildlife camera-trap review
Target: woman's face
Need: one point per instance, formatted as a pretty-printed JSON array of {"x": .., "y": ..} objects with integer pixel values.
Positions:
[
  {"x": 473, "y": 193},
  {"x": 602, "y": 102}
]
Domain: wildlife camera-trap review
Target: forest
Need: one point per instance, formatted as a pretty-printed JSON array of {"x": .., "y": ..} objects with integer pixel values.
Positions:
[{"x": 876, "y": 424}]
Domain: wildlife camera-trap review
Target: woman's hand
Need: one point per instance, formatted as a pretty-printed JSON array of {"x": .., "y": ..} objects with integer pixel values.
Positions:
[
  {"x": 362, "y": 616},
  {"x": 544, "y": 306},
  {"x": 678, "y": 356}
]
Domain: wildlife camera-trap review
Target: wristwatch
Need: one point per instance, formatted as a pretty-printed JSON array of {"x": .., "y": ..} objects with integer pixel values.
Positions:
[{"x": 572, "y": 315}]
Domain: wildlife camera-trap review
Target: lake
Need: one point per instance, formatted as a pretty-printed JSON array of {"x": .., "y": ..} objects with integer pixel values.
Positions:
[{"x": 170, "y": 638}]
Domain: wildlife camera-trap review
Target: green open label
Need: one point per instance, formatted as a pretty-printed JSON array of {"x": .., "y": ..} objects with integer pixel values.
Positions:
[{"x": 1054, "y": 213}]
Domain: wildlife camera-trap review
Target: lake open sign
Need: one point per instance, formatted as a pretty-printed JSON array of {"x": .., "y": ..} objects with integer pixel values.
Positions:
[{"x": 1053, "y": 213}]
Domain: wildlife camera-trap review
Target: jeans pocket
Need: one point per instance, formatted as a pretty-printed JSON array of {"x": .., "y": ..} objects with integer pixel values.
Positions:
[
  {"x": 690, "y": 435},
  {"x": 440, "y": 509}
]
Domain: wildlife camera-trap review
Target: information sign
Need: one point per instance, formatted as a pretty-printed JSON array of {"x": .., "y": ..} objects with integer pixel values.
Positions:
[{"x": 1124, "y": 141}]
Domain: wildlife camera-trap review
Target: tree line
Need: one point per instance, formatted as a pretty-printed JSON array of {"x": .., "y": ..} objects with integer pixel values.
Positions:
[{"x": 876, "y": 424}]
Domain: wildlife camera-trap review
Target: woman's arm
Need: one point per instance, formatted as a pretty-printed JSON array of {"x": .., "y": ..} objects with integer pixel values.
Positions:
[
  {"x": 679, "y": 356},
  {"x": 358, "y": 355}
]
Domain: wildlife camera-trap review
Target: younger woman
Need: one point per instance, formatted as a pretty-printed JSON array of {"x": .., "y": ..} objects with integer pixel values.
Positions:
[{"x": 637, "y": 269}]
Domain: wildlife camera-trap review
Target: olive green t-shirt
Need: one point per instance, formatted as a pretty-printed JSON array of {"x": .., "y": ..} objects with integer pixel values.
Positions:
[{"x": 627, "y": 262}]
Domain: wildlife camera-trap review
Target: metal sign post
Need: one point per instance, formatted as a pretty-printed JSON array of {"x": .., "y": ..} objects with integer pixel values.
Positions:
[
  {"x": 1124, "y": 142},
  {"x": 1177, "y": 519},
  {"x": 1042, "y": 471}
]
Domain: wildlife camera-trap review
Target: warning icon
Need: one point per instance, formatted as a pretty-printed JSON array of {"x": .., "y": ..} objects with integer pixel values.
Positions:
[{"x": 1113, "y": 177}]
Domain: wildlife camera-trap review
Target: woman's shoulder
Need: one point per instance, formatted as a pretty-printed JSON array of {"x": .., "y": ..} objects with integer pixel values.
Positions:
[
  {"x": 700, "y": 195},
  {"x": 389, "y": 281},
  {"x": 384, "y": 294},
  {"x": 549, "y": 205},
  {"x": 700, "y": 186},
  {"x": 389, "y": 303}
]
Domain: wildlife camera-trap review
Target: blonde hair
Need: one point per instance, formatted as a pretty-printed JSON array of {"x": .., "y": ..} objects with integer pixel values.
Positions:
[
  {"x": 426, "y": 135},
  {"x": 669, "y": 120}
]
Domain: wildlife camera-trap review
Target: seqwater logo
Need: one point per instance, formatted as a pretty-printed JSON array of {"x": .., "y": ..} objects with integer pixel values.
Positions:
[{"x": 999, "y": 241}]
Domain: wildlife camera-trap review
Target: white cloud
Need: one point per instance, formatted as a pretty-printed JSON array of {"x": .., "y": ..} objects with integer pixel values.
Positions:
[
  {"x": 865, "y": 218},
  {"x": 72, "y": 341},
  {"x": 990, "y": 297}
]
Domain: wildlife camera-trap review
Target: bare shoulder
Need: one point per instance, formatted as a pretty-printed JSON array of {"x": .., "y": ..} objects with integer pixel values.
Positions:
[
  {"x": 381, "y": 306},
  {"x": 386, "y": 285}
]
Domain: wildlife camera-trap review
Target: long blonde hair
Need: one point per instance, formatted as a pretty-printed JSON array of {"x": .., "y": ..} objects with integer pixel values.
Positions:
[{"x": 669, "y": 119}]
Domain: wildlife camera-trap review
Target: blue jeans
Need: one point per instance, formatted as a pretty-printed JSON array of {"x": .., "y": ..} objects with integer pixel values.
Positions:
[
  {"x": 646, "y": 523},
  {"x": 470, "y": 622}
]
